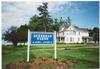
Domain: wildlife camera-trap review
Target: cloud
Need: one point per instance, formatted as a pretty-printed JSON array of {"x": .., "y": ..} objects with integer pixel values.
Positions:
[
  {"x": 18, "y": 13},
  {"x": 56, "y": 6}
]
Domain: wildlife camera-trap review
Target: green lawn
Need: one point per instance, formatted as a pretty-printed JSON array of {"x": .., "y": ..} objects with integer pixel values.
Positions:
[{"x": 84, "y": 55}]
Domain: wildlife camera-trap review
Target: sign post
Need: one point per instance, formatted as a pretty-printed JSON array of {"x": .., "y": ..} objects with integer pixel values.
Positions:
[
  {"x": 55, "y": 47},
  {"x": 28, "y": 48},
  {"x": 41, "y": 38}
]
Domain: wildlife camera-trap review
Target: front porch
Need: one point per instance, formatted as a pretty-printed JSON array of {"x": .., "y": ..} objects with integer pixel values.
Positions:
[
  {"x": 87, "y": 39},
  {"x": 60, "y": 39}
]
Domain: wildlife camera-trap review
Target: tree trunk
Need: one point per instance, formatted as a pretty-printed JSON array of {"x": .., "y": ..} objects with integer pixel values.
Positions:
[
  {"x": 45, "y": 28},
  {"x": 45, "y": 25},
  {"x": 15, "y": 44}
]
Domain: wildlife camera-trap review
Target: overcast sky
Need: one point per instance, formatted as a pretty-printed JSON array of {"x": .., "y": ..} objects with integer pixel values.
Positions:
[{"x": 82, "y": 14}]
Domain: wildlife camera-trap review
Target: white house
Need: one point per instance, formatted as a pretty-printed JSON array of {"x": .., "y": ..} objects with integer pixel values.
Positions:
[{"x": 72, "y": 34}]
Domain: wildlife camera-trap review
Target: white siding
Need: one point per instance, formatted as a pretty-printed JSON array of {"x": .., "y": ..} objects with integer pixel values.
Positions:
[{"x": 72, "y": 35}]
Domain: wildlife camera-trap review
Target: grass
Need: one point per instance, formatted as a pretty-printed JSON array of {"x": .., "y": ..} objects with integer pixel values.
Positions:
[{"x": 84, "y": 55}]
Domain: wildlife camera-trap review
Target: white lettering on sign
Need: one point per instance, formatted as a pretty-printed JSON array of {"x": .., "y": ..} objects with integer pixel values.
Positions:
[
  {"x": 35, "y": 35},
  {"x": 42, "y": 37}
]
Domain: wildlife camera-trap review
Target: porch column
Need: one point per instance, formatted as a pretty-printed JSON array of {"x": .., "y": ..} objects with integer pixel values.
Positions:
[{"x": 87, "y": 40}]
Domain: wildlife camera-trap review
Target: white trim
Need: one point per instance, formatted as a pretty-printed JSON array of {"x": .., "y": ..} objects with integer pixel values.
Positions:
[
  {"x": 43, "y": 33},
  {"x": 55, "y": 49},
  {"x": 28, "y": 47},
  {"x": 41, "y": 44}
]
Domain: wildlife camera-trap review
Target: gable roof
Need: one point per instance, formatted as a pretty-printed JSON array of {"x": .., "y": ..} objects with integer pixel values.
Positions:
[{"x": 77, "y": 28}]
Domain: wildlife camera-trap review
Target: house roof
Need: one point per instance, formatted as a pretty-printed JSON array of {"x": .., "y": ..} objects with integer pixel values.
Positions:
[{"x": 77, "y": 28}]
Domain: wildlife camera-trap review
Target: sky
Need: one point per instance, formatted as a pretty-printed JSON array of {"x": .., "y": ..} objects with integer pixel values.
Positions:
[{"x": 84, "y": 14}]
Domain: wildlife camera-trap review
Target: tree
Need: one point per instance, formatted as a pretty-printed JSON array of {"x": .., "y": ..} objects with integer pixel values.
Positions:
[
  {"x": 66, "y": 22},
  {"x": 45, "y": 19},
  {"x": 16, "y": 35},
  {"x": 69, "y": 20},
  {"x": 43, "y": 22},
  {"x": 34, "y": 23},
  {"x": 11, "y": 35},
  {"x": 95, "y": 34},
  {"x": 56, "y": 25},
  {"x": 22, "y": 33},
  {"x": 61, "y": 21}
]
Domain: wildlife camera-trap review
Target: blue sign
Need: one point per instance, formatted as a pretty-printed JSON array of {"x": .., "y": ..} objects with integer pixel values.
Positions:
[{"x": 38, "y": 38}]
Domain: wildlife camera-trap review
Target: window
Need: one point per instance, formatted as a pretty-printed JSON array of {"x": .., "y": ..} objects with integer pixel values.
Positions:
[
  {"x": 70, "y": 39},
  {"x": 62, "y": 39}
]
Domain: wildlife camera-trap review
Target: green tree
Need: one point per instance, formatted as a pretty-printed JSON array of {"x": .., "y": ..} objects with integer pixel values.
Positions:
[
  {"x": 16, "y": 35},
  {"x": 56, "y": 25},
  {"x": 22, "y": 33},
  {"x": 68, "y": 20},
  {"x": 11, "y": 35},
  {"x": 95, "y": 34},
  {"x": 61, "y": 21},
  {"x": 35, "y": 24},
  {"x": 45, "y": 20}
]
